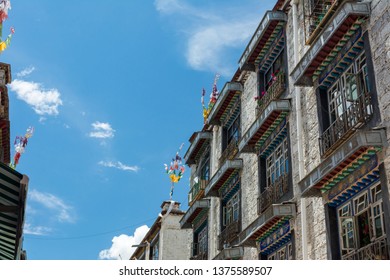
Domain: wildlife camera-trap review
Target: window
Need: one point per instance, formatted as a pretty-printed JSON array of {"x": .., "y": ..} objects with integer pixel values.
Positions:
[
  {"x": 205, "y": 167},
  {"x": 270, "y": 74},
  {"x": 233, "y": 131},
  {"x": 203, "y": 241},
  {"x": 277, "y": 163},
  {"x": 155, "y": 251},
  {"x": 283, "y": 253},
  {"x": 231, "y": 211},
  {"x": 347, "y": 93},
  {"x": 361, "y": 220}
]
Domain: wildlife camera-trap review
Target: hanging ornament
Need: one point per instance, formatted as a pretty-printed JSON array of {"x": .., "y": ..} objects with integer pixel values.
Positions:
[
  {"x": 7, "y": 42},
  {"x": 20, "y": 144},
  {"x": 213, "y": 99},
  {"x": 5, "y": 5},
  {"x": 175, "y": 171}
]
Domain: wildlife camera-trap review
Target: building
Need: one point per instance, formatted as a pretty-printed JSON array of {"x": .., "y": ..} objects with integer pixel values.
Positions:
[
  {"x": 13, "y": 185},
  {"x": 165, "y": 240},
  {"x": 293, "y": 161}
]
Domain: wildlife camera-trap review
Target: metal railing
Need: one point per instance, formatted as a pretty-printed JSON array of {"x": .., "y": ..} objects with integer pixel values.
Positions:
[
  {"x": 197, "y": 191},
  {"x": 230, "y": 152},
  {"x": 377, "y": 250},
  {"x": 198, "y": 252},
  {"x": 319, "y": 11},
  {"x": 357, "y": 115},
  {"x": 273, "y": 92},
  {"x": 230, "y": 232},
  {"x": 273, "y": 193}
]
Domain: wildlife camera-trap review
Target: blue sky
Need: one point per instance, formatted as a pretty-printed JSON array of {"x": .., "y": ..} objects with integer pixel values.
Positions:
[{"x": 112, "y": 88}]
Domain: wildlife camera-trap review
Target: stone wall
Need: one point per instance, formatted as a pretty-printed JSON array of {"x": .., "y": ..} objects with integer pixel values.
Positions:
[
  {"x": 175, "y": 243},
  {"x": 379, "y": 34}
]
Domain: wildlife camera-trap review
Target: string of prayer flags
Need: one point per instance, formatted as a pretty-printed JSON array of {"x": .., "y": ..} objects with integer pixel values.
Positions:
[
  {"x": 4, "y": 44},
  {"x": 5, "y": 5},
  {"x": 175, "y": 171},
  {"x": 20, "y": 144},
  {"x": 212, "y": 100}
]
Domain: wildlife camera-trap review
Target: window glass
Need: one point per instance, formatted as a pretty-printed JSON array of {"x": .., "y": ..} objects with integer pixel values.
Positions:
[
  {"x": 205, "y": 167},
  {"x": 232, "y": 210},
  {"x": 155, "y": 251},
  {"x": 361, "y": 221},
  {"x": 202, "y": 240},
  {"x": 277, "y": 163}
]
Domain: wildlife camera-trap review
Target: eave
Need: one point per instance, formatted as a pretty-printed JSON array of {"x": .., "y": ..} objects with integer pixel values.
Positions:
[
  {"x": 193, "y": 211},
  {"x": 230, "y": 253},
  {"x": 149, "y": 236},
  {"x": 198, "y": 144},
  {"x": 5, "y": 73},
  {"x": 282, "y": 5},
  {"x": 5, "y": 155},
  {"x": 273, "y": 217},
  {"x": 347, "y": 18},
  {"x": 265, "y": 33},
  {"x": 343, "y": 161},
  {"x": 225, "y": 101},
  {"x": 222, "y": 175},
  {"x": 264, "y": 125},
  {"x": 13, "y": 191}
]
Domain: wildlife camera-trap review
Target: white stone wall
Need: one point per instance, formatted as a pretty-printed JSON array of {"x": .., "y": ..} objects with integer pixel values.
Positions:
[
  {"x": 315, "y": 218},
  {"x": 248, "y": 103},
  {"x": 214, "y": 226},
  {"x": 379, "y": 34},
  {"x": 249, "y": 173},
  {"x": 175, "y": 243}
]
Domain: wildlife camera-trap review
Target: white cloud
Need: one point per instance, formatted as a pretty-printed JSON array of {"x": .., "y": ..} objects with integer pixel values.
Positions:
[
  {"x": 121, "y": 245},
  {"x": 210, "y": 36},
  {"x": 43, "y": 102},
  {"x": 63, "y": 212},
  {"x": 207, "y": 48},
  {"x": 119, "y": 165},
  {"x": 36, "y": 230},
  {"x": 101, "y": 130},
  {"x": 25, "y": 72}
]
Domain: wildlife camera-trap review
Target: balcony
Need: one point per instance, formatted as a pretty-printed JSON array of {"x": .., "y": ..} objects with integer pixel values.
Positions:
[
  {"x": 265, "y": 124},
  {"x": 197, "y": 191},
  {"x": 198, "y": 207},
  {"x": 273, "y": 93},
  {"x": 4, "y": 103},
  {"x": 228, "y": 235},
  {"x": 198, "y": 252},
  {"x": 359, "y": 149},
  {"x": 223, "y": 177},
  {"x": 13, "y": 193},
  {"x": 5, "y": 74},
  {"x": 227, "y": 105},
  {"x": 377, "y": 250},
  {"x": 356, "y": 116},
  {"x": 230, "y": 152},
  {"x": 320, "y": 13},
  {"x": 199, "y": 142},
  {"x": 273, "y": 193},
  {"x": 261, "y": 42},
  {"x": 5, "y": 156},
  {"x": 334, "y": 33},
  {"x": 233, "y": 253},
  {"x": 269, "y": 221}
]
